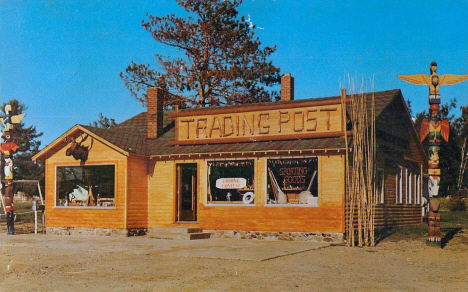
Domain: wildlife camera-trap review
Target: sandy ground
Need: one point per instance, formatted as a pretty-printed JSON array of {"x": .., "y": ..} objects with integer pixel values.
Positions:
[{"x": 39, "y": 262}]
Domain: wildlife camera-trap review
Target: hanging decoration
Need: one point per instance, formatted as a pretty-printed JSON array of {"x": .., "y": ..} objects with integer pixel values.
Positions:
[
  {"x": 435, "y": 130},
  {"x": 7, "y": 148},
  {"x": 77, "y": 150}
]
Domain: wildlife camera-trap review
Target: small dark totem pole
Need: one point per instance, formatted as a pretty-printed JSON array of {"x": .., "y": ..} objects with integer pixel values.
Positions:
[
  {"x": 7, "y": 148},
  {"x": 435, "y": 130}
]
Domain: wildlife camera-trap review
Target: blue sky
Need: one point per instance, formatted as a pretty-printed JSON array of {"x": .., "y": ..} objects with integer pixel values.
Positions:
[{"x": 63, "y": 58}]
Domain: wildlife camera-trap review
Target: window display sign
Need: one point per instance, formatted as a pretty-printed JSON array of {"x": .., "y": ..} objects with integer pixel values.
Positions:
[
  {"x": 85, "y": 186},
  {"x": 292, "y": 181},
  {"x": 231, "y": 182}
]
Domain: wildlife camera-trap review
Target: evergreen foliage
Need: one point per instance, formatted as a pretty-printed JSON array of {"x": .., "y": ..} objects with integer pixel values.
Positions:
[
  {"x": 27, "y": 140},
  {"x": 104, "y": 122},
  {"x": 221, "y": 61}
]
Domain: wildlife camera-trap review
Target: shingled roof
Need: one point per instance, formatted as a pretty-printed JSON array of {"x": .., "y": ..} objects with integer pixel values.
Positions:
[{"x": 130, "y": 135}]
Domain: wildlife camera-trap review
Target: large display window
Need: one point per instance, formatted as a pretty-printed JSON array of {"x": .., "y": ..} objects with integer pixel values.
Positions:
[
  {"x": 85, "y": 186},
  {"x": 231, "y": 182},
  {"x": 292, "y": 181}
]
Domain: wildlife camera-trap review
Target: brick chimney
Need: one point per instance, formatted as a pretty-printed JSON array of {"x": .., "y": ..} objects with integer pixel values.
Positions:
[
  {"x": 287, "y": 87},
  {"x": 154, "y": 104}
]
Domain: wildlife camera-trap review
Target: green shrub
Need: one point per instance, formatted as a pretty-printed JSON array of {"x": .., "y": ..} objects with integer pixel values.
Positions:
[{"x": 456, "y": 204}]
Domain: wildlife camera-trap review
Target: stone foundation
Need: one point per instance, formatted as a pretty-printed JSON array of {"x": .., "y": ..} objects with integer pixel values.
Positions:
[
  {"x": 271, "y": 235},
  {"x": 94, "y": 231},
  {"x": 233, "y": 234}
]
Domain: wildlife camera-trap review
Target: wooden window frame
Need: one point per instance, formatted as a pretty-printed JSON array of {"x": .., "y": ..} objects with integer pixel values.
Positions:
[
  {"x": 380, "y": 198},
  {"x": 399, "y": 186}
]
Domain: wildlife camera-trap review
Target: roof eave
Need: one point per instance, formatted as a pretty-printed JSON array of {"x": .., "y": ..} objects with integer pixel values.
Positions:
[{"x": 42, "y": 155}]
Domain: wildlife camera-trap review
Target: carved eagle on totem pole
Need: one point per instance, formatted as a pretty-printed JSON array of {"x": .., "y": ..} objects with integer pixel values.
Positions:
[
  {"x": 434, "y": 80},
  {"x": 435, "y": 131}
]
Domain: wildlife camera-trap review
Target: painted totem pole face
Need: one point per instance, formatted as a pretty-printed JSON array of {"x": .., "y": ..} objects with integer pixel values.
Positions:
[
  {"x": 433, "y": 186},
  {"x": 9, "y": 195},
  {"x": 7, "y": 137},
  {"x": 433, "y": 153},
  {"x": 434, "y": 109},
  {"x": 8, "y": 168}
]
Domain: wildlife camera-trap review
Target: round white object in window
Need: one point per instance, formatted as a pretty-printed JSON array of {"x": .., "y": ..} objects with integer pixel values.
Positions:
[{"x": 248, "y": 198}]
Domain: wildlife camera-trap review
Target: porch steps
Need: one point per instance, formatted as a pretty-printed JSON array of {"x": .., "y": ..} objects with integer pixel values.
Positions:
[{"x": 180, "y": 233}]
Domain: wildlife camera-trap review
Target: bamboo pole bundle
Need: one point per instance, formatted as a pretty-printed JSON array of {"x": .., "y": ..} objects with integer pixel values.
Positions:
[{"x": 360, "y": 176}]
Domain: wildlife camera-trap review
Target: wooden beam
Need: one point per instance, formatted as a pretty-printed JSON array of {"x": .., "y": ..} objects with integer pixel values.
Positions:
[{"x": 337, "y": 134}]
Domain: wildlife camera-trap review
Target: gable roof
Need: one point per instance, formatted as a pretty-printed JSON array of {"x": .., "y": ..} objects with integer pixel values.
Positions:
[
  {"x": 130, "y": 136},
  {"x": 75, "y": 131}
]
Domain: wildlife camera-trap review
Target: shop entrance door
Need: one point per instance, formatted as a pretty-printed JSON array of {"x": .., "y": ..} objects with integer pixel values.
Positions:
[{"x": 186, "y": 192}]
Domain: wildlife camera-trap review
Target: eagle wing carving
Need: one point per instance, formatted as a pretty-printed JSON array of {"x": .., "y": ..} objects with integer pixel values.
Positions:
[
  {"x": 445, "y": 129},
  {"x": 424, "y": 130},
  {"x": 449, "y": 79},
  {"x": 418, "y": 79}
]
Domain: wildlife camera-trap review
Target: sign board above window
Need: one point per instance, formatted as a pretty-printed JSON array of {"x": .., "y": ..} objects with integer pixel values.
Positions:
[{"x": 278, "y": 121}]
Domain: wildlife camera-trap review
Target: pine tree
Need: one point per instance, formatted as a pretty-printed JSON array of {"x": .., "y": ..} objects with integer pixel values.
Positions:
[
  {"x": 222, "y": 61},
  {"x": 104, "y": 122}
]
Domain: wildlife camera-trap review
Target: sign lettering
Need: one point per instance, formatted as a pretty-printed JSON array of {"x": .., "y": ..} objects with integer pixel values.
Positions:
[{"x": 318, "y": 119}]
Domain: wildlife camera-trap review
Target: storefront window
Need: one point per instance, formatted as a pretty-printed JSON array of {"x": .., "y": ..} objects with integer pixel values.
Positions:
[
  {"x": 231, "y": 182},
  {"x": 292, "y": 181},
  {"x": 85, "y": 186}
]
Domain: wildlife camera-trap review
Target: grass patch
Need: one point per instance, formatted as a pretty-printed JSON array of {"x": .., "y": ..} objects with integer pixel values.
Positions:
[
  {"x": 401, "y": 232},
  {"x": 452, "y": 219},
  {"x": 21, "y": 207},
  {"x": 451, "y": 222},
  {"x": 24, "y": 218}
]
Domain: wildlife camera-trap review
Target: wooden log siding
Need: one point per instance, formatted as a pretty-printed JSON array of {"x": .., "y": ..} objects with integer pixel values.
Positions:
[
  {"x": 87, "y": 217},
  {"x": 137, "y": 195},
  {"x": 391, "y": 216},
  {"x": 161, "y": 194},
  {"x": 391, "y": 213}
]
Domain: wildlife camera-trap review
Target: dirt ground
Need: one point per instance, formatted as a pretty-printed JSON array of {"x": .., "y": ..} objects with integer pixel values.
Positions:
[{"x": 40, "y": 262}]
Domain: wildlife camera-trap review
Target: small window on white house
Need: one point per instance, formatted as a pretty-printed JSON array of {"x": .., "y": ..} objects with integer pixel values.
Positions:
[
  {"x": 409, "y": 191},
  {"x": 380, "y": 187},
  {"x": 418, "y": 189},
  {"x": 399, "y": 186}
]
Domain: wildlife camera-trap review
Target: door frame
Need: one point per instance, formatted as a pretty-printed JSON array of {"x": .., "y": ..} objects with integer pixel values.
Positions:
[{"x": 182, "y": 215}]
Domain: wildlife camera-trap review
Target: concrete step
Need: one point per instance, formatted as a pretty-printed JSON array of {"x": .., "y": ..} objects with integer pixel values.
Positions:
[
  {"x": 183, "y": 233},
  {"x": 200, "y": 235}
]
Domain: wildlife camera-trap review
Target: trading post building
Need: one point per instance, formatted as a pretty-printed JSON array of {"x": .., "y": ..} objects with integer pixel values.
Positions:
[{"x": 271, "y": 170}]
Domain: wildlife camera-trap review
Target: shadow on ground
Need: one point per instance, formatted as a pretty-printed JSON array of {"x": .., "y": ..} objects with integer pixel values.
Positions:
[{"x": 451, "y": 232}]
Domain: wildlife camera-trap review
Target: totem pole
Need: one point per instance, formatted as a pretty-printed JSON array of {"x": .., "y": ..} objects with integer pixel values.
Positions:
[
  {"x": 7, "y": 149},
  {"x": 434, "y": 130}
]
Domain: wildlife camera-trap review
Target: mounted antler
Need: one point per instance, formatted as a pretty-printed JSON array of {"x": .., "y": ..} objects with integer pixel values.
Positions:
[{"x": 76, "y": 149}]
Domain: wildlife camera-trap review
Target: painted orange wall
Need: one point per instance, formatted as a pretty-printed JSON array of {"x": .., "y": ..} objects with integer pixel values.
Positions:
[
  {"x": 327, "y": 217},
  {"x": 161, "y": 193},
  {"x": 137, "y": 197},
  {"x": 87, "y": 217}
]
